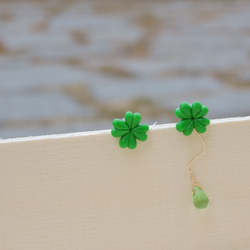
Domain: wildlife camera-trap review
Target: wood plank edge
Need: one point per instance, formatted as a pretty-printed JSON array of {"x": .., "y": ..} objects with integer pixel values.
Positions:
[{"x": 107, "y": 131}]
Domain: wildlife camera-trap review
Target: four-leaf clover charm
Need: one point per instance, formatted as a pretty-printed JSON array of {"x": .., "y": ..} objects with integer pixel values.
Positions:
[
  {"x": 129, "y": 130},
  {"x": 192, "y": 116}
]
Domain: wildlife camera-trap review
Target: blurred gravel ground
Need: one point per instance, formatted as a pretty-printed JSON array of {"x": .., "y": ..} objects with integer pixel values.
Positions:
[{"x": 69, "y": 66}]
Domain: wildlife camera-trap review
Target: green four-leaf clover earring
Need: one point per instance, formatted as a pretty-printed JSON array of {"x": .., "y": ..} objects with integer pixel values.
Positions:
[
  {"x": 129, "y": 130},
  {"x": 192, "y": 117}
]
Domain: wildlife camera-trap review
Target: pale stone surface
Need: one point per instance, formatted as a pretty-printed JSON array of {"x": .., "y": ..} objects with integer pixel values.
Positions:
[{"x": 110, "y": 56}]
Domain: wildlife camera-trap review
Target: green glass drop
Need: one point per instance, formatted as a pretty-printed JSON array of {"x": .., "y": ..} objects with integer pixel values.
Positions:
[{"x": 200, "y": 199}]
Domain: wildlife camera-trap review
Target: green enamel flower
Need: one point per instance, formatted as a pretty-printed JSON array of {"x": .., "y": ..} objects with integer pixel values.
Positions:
[
  {"x": 129, "y": 130},
  {"x": 192, "y": 116}
]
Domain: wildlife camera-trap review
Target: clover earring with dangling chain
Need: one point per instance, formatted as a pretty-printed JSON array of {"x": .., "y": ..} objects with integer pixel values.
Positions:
[{"x": 192, "y": 117}]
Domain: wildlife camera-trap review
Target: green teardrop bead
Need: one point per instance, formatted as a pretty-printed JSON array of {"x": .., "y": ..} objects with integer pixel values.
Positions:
[{"x": 200, "y": 199}]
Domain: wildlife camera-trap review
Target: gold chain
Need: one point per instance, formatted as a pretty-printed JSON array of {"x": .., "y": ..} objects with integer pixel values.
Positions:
[{"x": 193, "y": 179}]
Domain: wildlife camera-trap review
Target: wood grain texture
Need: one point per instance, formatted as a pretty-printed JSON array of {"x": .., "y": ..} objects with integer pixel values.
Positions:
[{"x": 83, "y": 192}]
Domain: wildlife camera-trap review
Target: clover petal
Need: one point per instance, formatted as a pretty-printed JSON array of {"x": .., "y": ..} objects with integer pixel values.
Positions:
[
  {"x": 179, "y": 114},
  {"x": 141, "y": 136},
  {"x": 196, "y": 109},
  {"x": 132, "y": 141},
  {"x": 204, "y": 121},
  {"x": 199, "y": 126},
  {"x": 182, "y": 125},
  {"x": 124, "y": 141},
  {"x": 186, "y": 109},
  {"x": 189, "y": 129},
  {"x": 136, "y": 120},
  {"x": 203, "y": 112},
  {"x": 120, "y": 125},
  {"x": 118, "y": 133},
  {"x": 143, "y": 128},
  {"x": 131, "y": 119},
  {"x": 184, "y": 112},
  {"x": 140, "y": 132}
]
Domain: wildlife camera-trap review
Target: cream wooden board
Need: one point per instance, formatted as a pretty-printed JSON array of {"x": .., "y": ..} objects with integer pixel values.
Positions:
[{"x": 83, "y": 192}]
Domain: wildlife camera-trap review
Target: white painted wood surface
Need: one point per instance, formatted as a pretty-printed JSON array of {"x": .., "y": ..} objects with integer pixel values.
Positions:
[{"x": 82, "y": 191}]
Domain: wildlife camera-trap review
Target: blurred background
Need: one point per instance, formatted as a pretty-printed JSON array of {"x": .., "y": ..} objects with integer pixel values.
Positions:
[{"x": 68, "y": 66}]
